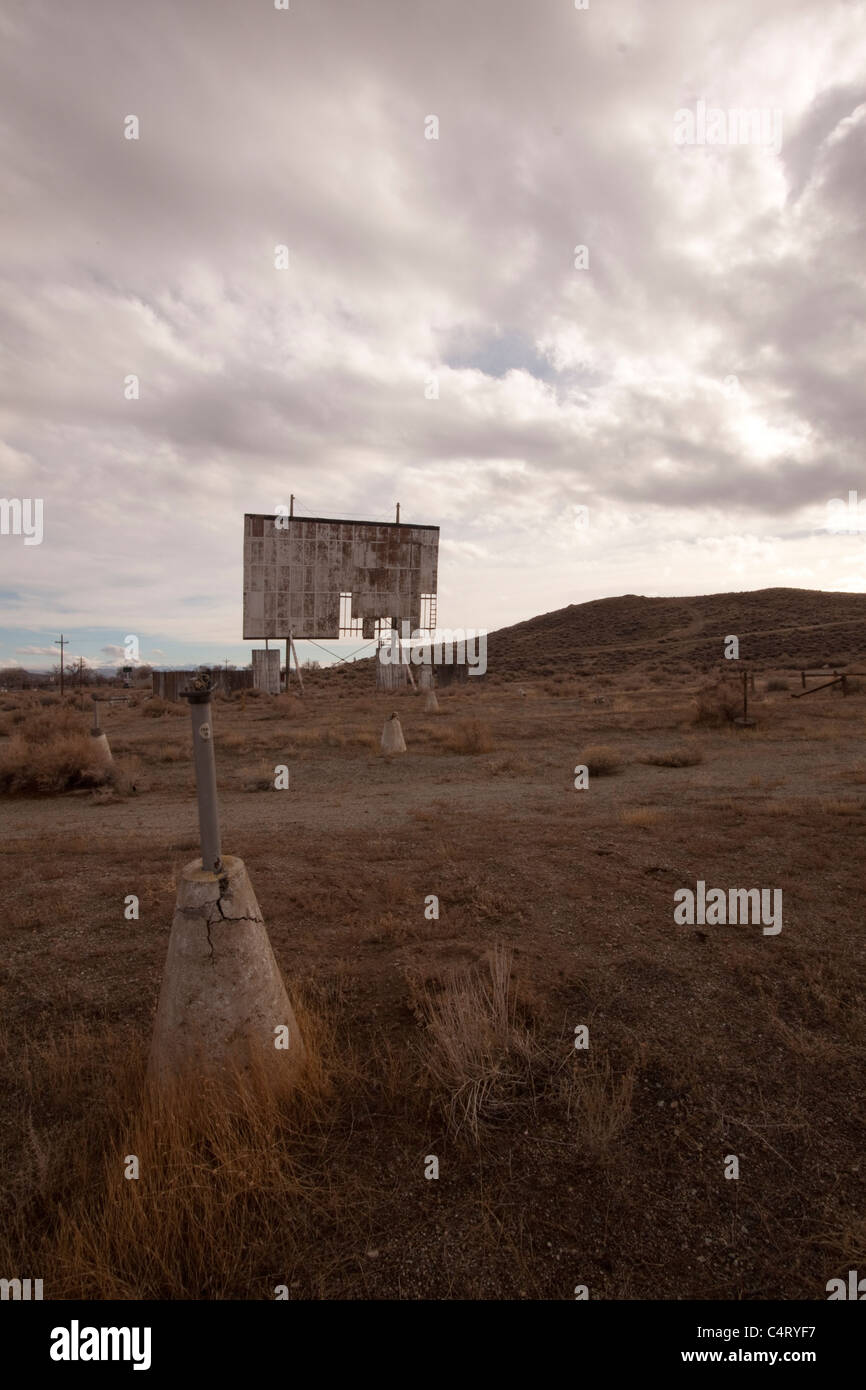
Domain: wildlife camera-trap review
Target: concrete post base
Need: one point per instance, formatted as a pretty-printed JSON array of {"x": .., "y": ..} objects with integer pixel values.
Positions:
[
  {"x": 392, "y": 736},
  {"x": 223, "y": 1004},
  {"x": 101, "y": 748},
  {"x": 431, "y": 704}
]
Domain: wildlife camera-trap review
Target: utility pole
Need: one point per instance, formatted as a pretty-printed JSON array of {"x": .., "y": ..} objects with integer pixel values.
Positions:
[
  {"x": 292, "y": 505},
  {"x": 62, "y": 640},
  {"x": 398, "y": 513}
]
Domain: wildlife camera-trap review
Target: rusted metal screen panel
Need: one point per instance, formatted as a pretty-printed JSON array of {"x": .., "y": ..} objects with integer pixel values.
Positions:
[{"x": 296, "y": 568}]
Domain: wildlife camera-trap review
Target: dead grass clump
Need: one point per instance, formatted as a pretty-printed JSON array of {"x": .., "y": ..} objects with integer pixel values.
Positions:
[
  {"x": 717, "y": 704},
  {"x": 600, "y": 760},
  {"x": 284, "y": 706},
  {"x": 477, "y": 1052},
  {"x": 63, "y": 763},
  {"x": 683, "y": 755},
  {"x": 43, "y": 728},
  {"x": 777, "y": 684},
  {"x": 233, "y": 743},
  {"x": 468, "y": 736},
  {"x": 156, "y": 707},
  {"x": 597, "y": 1100},
  {"x": 236, "y": 1182}
]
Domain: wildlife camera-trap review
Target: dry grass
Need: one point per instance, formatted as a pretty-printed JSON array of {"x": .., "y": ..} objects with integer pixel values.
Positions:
[
  {"x": 477, "y": 1051},
  {"x": 601, "y": 760},
  {"x": 63, "y": 763},
  {"x": 718, "y": 704},
  {"x": 511, "y": 762},
  {"x": 542, "y": 1148},
  {"x": 597, "y": 1100},
  {"x": 468, "y": 736},
  {"x": 642, "y": 816},
  {"x": 156, "y": 708},
  {"x": 682, "y": 755},
  {"x": 227, "y": 1171}
]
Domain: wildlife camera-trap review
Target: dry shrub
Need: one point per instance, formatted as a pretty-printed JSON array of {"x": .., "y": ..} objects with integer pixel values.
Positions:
[
  {"x": 233, "y": 743},
  {"x": 468, "y": 736},
  {"x": 597, "y": 1100},
  {"x": 284, "y": 706},
  {"x": 477, "y": 1052},
  {"x": 156, "y": 707},
  {"x": 683, "y": 755},
  {"x": 42, "y": 728},
  {"x": 61, "y": 764},
  {"x": 718, "y": 704},
  {"x": 600, "y": 760},
  {"x": 777, "y": 684}
]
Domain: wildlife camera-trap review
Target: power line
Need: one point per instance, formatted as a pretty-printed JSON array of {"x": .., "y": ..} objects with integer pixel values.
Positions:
[
  {"x": 334, "y": 654},
  {"x": 347, "y": 516}
]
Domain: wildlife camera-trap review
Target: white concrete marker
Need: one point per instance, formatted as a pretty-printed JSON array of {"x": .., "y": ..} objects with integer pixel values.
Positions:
[
  {"x": 392, "y": 736},
  {"x": 431, "y": 704},
  {"x": 222, "y": 998},
  {"x": 100, "y": 745}
]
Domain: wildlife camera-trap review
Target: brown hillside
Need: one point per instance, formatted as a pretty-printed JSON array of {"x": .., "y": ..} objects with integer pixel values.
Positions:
[{"x": 776, "y": 627}]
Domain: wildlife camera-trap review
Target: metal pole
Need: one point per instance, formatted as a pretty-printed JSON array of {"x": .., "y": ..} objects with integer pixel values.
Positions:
[
  {"x": 297, "y": 663},
  {"x": 199, "y": 696},
  {"x": 398, "y": 513},
  {"x": 745, "y": 696}
]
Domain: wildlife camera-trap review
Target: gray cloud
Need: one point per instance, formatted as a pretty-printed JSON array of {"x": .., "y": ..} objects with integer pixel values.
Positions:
[{"x": 411, "y": 258}]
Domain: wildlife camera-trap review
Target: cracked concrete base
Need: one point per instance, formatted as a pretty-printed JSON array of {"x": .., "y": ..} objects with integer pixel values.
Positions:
[{"x": 222, "y": 995}]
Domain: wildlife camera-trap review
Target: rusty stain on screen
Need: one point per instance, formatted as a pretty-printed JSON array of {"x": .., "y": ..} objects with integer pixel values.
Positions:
[{"x": 295, "y": 574}]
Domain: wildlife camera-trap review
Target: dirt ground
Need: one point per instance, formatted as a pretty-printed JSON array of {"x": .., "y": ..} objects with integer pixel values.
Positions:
[{"x": 603, "y": 1167}]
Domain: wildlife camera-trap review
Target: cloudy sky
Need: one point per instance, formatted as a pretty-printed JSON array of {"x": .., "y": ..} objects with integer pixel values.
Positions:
[{"x": 693, "y": 379}]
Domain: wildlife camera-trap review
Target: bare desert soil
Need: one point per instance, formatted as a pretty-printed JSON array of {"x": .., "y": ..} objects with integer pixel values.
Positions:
[{"x": 603, "y": 1167}]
